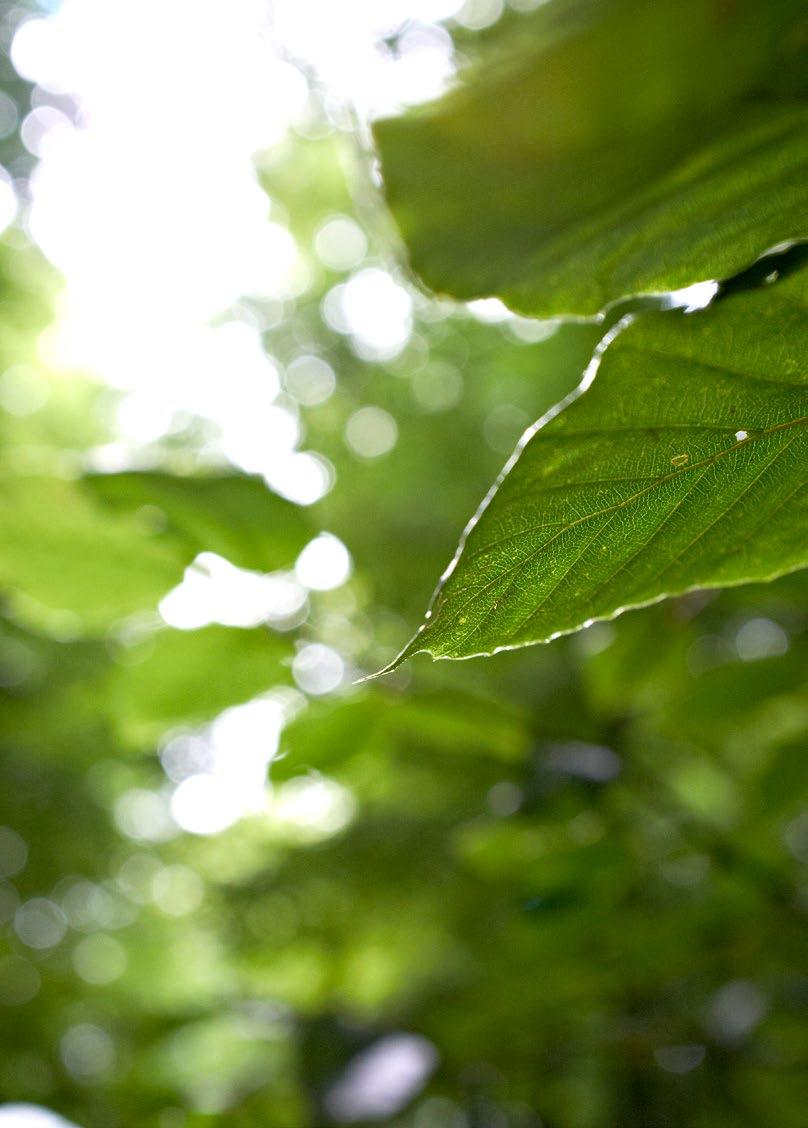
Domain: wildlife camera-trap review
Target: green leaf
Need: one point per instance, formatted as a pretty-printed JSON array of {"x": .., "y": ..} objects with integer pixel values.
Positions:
[
  {"x": 732, "y": 697},
  {"x": 617, "y": 147},
  {"x": 330, "y": 734},
  {"x": 50, "y": 694},
  {"x": 112, "y": 544},
  {"x": 61, "y": 553},
  {"x": 234, "y": 515},
  {"x": 681, "y": 467},
  {"x": 187, "y": 677}
]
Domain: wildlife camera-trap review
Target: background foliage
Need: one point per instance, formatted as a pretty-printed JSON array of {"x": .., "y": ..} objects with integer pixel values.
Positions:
[{"x": 570, "y": 880}]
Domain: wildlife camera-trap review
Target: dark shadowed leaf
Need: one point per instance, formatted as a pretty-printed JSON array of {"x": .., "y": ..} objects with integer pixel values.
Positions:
[
  {"x": 613, "y": 147},
  {"x": 329, "y": 734}
]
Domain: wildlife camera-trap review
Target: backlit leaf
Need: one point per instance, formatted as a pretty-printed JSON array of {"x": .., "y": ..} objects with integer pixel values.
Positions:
[{"x": 681, "y": 467}]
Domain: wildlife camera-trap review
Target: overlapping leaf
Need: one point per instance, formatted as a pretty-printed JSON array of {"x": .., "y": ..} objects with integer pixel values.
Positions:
[
  {"x": 234, "y": 515},
  {"x": 113, "y": 544},
  {"x": 187, "y": 677},
  {"x": 682, "y": 466},
  {"x": 616, "y": 147}
]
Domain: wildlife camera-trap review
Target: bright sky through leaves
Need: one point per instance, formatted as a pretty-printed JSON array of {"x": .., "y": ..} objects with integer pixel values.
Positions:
[{"x": 137, "y": 184}]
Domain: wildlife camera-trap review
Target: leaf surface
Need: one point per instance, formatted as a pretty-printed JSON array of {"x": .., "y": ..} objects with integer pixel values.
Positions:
[
  {"x": 612, "y": 148},
  {"x": 66, "y": 554},
  {"x": 234, "y": 515},
  {"x": 682, "y": 466},
  {"x": 111, "y": 544},
  {"x": 186, "y": 677}
]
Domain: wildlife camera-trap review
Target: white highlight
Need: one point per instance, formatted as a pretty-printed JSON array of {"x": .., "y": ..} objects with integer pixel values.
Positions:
[
  {"x": 324, "y": 564},
  {"x": 318, "y": 669},
  {"x": 31, "y": 1116},
  {"x": 374, "y": 310},
  {"x": 99, "y": 959},
  {"x": 312, "y": 807},
  {"x": 380, "y": 1080},
  {"x": 310, "y": 379},
  {"x": 490, "y": 310},
  {"x": 40, "y": 923},
  {"x": 153, "y": 235},
  {"x": 87, "y": 1051},
  {"x": 344, "y": 44},
  {"x": 215, "y": 591},
  {"x": 371, "y": 432},
  {"x": 479, "y": 14},
  {"x": 237, "y": 748},
  {"x": 692, "y": 298},
  {"x": 760, "y": 638},
  {"x": 340, "y": 243}
]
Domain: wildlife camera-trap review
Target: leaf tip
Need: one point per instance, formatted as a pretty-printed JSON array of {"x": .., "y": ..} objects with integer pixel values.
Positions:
[{"x": 409, "y": 650}]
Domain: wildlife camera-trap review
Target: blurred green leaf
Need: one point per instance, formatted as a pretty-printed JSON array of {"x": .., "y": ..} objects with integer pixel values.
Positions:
[
  {"x": 187, "y": 677},
  {"x": 65, "y": 554},
  {"x": 233, "y": 515},
  {"x": 739, "y": 696},
  {"x": 330, "y": 734},
  {"x": 50, "y": 694},
  {"x": 610, "y": 147},
  {"x": 114, "y": 544}
]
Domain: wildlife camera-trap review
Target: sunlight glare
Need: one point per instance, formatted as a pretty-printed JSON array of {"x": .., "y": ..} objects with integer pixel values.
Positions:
[
  {"x": 374, "y": 310},
  {"x": 324, "y": 564},
  {"x": 382, "y": 1078},
  {"x": 240, "y": 744},
  {"x": 215, "y": 591},
  {"x": 313, "y": 806},
  {"x": 31, "y": 1116}
]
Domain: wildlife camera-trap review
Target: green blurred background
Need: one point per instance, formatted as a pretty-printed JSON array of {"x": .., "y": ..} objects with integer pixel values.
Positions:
[{"x": 560, "y": 888}]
